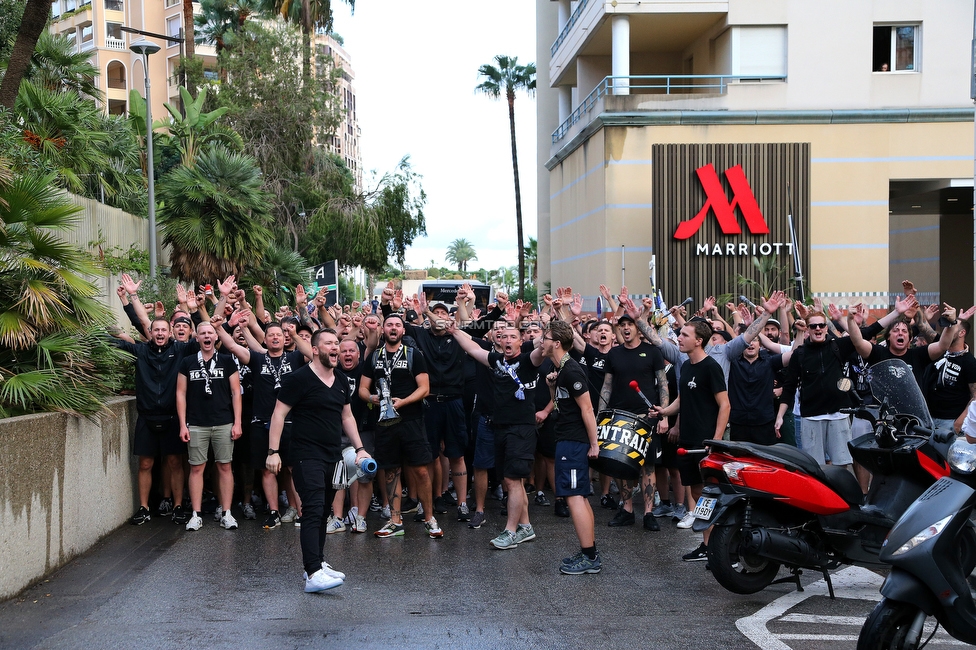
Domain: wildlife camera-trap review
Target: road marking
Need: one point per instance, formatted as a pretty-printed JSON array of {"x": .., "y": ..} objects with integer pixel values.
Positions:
[{"x": 854, "y": 583}]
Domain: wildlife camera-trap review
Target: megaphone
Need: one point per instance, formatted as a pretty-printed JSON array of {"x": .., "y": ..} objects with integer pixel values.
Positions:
[
  {"x": 388, "y": 414},
  {"x": 363, "y": 472}
]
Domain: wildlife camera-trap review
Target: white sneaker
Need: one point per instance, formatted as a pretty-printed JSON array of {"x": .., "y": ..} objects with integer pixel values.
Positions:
[
  {"x": 195, "y": 523},
  {"x": 228, "y": 522},
  {"x": 289, "y": 515},
  {"x": 359, "y": 526},
  {"x": 329, "y": 571},
  {"x": 320, "y": 581},
  {"x": 334, "y": 525},
  {"x": 218, "y": 513},
  {"x": 385, "y": 512},
  {"x": 687, "y": 520}
]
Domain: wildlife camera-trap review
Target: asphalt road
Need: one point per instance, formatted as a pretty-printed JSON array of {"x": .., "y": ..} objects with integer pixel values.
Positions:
[{"x": 158, "y": 586}]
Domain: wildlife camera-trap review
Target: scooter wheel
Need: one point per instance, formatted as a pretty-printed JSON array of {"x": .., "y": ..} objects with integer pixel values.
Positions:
[
  {"x": 887, "y": 625},
  {"x": 734, "y": 570}
]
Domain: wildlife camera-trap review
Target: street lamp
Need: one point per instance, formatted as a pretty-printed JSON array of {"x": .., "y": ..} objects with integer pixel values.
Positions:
[{"x": 145, "y": 48}]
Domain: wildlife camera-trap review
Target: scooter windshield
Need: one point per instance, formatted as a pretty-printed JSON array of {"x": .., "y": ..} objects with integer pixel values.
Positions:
[{"x": 892, "y": 380}]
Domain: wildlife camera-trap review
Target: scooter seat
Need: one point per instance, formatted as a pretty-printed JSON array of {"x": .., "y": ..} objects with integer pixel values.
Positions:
[
  {"x": 780, "y": 452},
  {"x": 844, "y": 483}
]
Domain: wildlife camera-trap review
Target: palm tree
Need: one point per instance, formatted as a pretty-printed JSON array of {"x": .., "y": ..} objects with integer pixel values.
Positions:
[
  {"x": 36, "y": 13},
  {"x": 532, "y": 258},
  {"x": 56, "y": 66},
  {"x": 215, "y": 215},
  {"x": 52, "y": 357},
  {"x": 460, "y": 252},
  {"x": 508, "y": 77},
  {"x": 309, "y": 14}
]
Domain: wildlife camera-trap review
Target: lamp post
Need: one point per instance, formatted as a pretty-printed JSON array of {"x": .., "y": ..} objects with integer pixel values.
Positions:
[{"x": 145, "y": 48}]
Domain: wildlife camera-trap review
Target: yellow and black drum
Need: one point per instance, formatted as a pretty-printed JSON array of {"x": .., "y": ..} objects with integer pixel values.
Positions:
[{"x": 625, "y": 440}]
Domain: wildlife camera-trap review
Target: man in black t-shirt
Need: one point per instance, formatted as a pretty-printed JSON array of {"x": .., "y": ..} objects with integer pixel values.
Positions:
[
  {"x": 318, "y": 402},
  {"x": 576, "y": 443},
  {"x": 949, "y": 384},
  {"x": 702, "y": 406},
  {"x": 399, "y": 373},
  {"x": 514, "y": 377},
  {"x": 208, "y": 405},
  {"x": 642, "y": 362},
  {"x": 267, "y": 367}
]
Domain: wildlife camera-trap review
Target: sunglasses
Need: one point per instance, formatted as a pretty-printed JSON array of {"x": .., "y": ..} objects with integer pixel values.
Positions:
[{"x": 818, "y": 326}]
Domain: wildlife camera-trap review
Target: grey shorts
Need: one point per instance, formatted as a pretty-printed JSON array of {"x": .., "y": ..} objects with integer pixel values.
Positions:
[
  {"x": 827, "y": 436},
  {"x": 202, "y": 438}
]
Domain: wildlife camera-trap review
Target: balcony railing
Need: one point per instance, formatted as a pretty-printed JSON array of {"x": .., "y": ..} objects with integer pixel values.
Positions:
[
  {"x": 117, "y": 44},
  {"x": 113, "y": 5},
  {"x": 659, "y": 85},
  {"x": 564, "y": 32}
]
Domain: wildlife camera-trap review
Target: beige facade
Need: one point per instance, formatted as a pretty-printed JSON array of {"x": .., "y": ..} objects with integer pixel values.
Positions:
[
  {"x": 345, "y": 142},
  {"x": 890, "y": 151}
]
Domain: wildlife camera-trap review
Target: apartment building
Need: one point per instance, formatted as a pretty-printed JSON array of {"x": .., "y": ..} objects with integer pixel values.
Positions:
[
  {"x": 679, "y": 139},
  {"x": 345, "y": 142}
]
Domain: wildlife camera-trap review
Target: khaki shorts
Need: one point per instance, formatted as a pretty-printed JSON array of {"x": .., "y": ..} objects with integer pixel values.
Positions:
[{"x": 201, "y": 439}]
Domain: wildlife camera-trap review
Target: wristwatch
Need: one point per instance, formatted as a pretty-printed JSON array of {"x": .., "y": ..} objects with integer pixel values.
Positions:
[{"x": 272, "y": 451}]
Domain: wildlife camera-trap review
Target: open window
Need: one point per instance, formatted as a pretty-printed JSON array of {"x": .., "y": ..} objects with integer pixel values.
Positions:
[{"x": 895, "y": 48}]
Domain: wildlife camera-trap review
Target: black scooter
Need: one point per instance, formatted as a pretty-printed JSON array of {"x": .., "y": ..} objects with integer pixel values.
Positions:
[{"x": 932, "y": 551}]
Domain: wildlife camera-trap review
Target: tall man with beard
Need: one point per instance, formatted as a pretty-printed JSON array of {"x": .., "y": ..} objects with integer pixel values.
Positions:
[
  {"x": 404, "y": 443},
  {"x": 268, "y": 368},
  {"x": 208, "y": 404},
  {"x": 514, "y": 378},
  {"x": 318, "y": 402},
  {"x": 638, "y": 361}
]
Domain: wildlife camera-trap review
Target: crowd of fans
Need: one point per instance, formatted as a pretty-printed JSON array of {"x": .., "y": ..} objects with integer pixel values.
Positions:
[{"x": 433, "y": 391}]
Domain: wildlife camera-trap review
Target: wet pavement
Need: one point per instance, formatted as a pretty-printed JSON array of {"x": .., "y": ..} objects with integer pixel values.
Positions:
[{"x": 158, "y": 586}]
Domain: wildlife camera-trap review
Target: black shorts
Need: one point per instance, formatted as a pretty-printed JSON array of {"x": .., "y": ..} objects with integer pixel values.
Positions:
[
  {"x": 515, "y": 449},
  {"x": 669, "y": 451},
  {"x": 403, "y": 445},
  {"x": 688, "y": 466},
  {"x": 260, "y": 444},
  {"x": 572, "y": 469},
  {"x": 446, "y": 424},
  {"x": 157, "y": 435},
  {"x": 761, "y": 434},
  {"x": 546, "y": 443}
]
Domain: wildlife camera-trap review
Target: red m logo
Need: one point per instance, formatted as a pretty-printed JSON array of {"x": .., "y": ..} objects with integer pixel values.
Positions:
[{"x": 724, "y": 209}]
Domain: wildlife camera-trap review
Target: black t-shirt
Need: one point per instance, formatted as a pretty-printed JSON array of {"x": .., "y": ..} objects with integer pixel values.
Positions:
[
  {"x": 365, "y": 416},
  {"x": 402, "y": 379},
  {"x": 316, "y": 414},
  {"x": 216, "y": 408},
  {"x": 946, "y": 385},
  {"x": 508, "y": 408},
  {"x": 629, "y": 364},
  {"x": 445, "y": 360},
  {"x": 484, "y": 399},
  {"x": 570, "y": 384},
  {"x": 916, "y": 357},
  {"x": 268, "y": 372},
  {"x": 751, "y": 389},
  {"x": 594, "y": 364},
  {"x": 698, "y": 383}
]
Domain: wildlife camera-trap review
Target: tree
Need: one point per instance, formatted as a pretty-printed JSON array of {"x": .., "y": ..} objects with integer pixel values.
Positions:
[
  {"x": 532, "y": 258},
  {"x": 508, "y": 77},
  {"x": 197, "y": 129},
  {"x": 34, "y": 21},
  {"x": 460, "y": 252},
  {"x": 215, "y": 215},
  {"x": 56, "y": 65},
  {"x": 52, "y": 355},
  {"x": 189, "y": 39},
  {"x": 309, "y": 15}
]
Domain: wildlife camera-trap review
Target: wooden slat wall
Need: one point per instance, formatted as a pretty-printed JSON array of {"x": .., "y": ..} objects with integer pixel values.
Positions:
[{"x": 677, "y": 195}]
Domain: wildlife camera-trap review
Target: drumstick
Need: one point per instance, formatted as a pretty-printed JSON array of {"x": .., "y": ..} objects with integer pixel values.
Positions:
[{"x": 636, "y": 387}]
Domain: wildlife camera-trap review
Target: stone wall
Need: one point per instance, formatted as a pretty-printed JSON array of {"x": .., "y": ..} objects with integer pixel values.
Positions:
[{"x": 65, "y": 482}]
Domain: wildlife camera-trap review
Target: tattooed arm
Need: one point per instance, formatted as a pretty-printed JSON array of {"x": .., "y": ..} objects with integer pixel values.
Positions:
[{"x": 605, "y": 391}]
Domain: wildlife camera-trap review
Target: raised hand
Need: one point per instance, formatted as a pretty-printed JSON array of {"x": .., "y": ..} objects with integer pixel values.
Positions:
[
  {"x": 129, "y": 284},
  {"x": 320, "y": 298},
  {"x": 908, "y": 287},
  {"x": 160, "y": 309},
  {"x": 576, "y": 307},
  {"x": 709, "y": 305},
  {"x": 948, "y": 311},
  {"x": 301, "y": 298},
  {"x": 387, "y": 296},
  {"x": 834, "y": 312},
  {"x": 258, "y": 291},
  {"x": 605, "y": 292},
  {"x": 180, "y": 294},
  {"x": 501, "y": 299},
  {"x": 397, "y": 299},
  {"x": 228, "y": 285},
  {"x": 966, "y": 315},
  {"x": 802, "y": 310},
  {"x": 931, "y": 312}
]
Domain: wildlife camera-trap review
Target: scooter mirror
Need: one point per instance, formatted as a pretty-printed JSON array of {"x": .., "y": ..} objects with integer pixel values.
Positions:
[{"x": 844, "y": 384}]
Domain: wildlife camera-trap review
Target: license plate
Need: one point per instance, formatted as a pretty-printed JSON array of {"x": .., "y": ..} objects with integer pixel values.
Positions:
[{"x": 704, "y": 508}]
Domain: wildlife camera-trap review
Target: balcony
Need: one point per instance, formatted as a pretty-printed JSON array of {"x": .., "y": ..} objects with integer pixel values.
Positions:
[
  {"x": 117, "y": 44},
  {"x": 564, "y": 32},
  {"x": 655, "y": 92}
]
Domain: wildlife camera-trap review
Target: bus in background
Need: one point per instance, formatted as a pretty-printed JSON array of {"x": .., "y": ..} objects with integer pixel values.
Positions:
[{"x": 446, "y": 291}]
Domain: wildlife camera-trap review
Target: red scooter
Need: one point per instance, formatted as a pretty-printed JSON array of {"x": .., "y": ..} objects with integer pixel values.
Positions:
[{"x": 774, "y": 506}]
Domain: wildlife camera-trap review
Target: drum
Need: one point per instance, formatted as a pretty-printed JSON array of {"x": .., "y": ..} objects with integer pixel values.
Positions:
[{"x": 625, "y": 440}]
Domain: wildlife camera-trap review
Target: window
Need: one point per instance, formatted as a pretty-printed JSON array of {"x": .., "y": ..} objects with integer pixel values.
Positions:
[
  {"x": 113, "y": 30},
  {"x": 895, "y": 48},
  {"x": 172, "y": 3},
  {"x": 87, "y": 32},
  {"x": 56, "y": 8},
  {"x": 759, "y": 50},
  {"x": 173, "y": 27}
]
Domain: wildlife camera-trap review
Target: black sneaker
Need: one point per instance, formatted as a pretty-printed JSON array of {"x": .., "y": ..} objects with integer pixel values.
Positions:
[
  {"x": 448, "y": 499},
  {"x": 165, "y": 507},
  {"x": 622, "y": 518},
  {"x": 541, "y": 500},
  {"x": 180, "y": 515},
  {"x": 440, "y": 507},
  {"x": 607, "y": 501},
  {"x": 408, "y": 505},
  {"x": 529, "y": 488},
  {"x": 650, "y": 523},
  {"x": 142, "y": 516},
  {"x": 561, "y": 509},
  {"x": 273, "y": 520},
  {"x": 700, "y": 554}
]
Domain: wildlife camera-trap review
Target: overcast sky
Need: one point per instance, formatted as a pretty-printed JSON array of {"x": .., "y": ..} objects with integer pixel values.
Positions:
[{"x": 416, "y": 64}]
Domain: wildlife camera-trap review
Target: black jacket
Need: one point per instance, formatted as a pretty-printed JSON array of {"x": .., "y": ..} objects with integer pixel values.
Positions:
[
  {"x": 156, "y": 370},
  {"x": 815, "y": 369}
]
